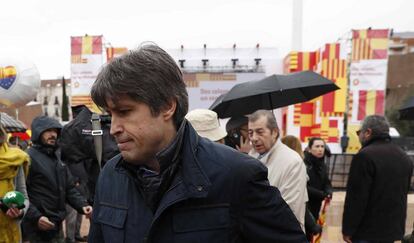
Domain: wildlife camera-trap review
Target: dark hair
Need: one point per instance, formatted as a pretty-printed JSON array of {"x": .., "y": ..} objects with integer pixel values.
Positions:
[
  {"x": 378, "y": 125},
  {"x": 271, "y": 122},
  {"x": 313, "y": 139},
  {"x": 148, "y": 75}
]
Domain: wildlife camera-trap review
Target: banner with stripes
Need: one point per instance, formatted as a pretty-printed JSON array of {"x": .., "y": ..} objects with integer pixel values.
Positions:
[
  {"x": 368, "y": 75},
  {"x": 86, "y": 61},
  {"x": 370, "y": 44},
  {"x": 323, "y": 116}
]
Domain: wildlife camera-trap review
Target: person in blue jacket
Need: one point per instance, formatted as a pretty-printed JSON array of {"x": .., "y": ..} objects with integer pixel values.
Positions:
[{"x": 168, "y": 184}]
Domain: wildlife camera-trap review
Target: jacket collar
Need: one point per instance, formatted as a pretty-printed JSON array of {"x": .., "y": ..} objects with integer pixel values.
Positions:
[
  {"x": 377, "y": 138},
  {"x": 268, "y": 154},
  {"x": 194, "y": 178},
  {"x": 190, "y": 174}
]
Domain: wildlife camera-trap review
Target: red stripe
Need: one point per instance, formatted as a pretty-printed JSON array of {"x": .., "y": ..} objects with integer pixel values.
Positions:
[
  {"x": 97, "y": 45},
  {"x": 379, "y": 54},
  {"x": 76, "y": 45},
  {"x": 307, "y": 108},
  {"x": 381, "y": 33},
  {"x": 300, "y": 61},
  {"x": 362, "y": 104},
  {"x": 328, "y": 102},
  {"x": 379, "y": 102},
  {"x": 333, "y": 123},
  {"x": 312, "y": 60},
  {"x": 337, "y": 50},
  {"x": 325, "y": 53},
  {"x": 355, "y": 34}
]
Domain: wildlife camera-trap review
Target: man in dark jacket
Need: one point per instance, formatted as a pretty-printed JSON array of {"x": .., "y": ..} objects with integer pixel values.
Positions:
[
  {"x": 49, "y": 185},
  {"x": 169, "y": 184},
  {"x": 78, "y": 149},
  {"x": 379, "y": 178}
]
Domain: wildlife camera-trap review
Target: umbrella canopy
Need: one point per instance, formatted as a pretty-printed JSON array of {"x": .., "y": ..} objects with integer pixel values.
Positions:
[
  {"x": 407, "y": 110},
  {"x": 10, "y": 124},
  {"x": 272, "y": 92}
]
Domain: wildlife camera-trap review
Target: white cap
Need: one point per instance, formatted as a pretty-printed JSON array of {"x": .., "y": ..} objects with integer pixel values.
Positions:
[{"x": 206, "y": 123}]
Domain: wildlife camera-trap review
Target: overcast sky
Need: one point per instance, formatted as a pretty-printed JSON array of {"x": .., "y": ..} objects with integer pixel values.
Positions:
[{"x": 40, "y": 30}]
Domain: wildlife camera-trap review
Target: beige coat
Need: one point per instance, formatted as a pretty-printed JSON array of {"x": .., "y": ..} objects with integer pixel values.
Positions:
[{"x": 287, "y": 172}]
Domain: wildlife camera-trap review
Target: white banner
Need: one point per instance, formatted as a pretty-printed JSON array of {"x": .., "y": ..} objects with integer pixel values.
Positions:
[
  {"x": 368, "y": 74},
  {"x": 84, "y": 74}
]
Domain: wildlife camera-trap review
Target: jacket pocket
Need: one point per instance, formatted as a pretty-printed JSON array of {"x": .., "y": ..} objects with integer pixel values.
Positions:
[
  {"x": 208, "y": 223},
  {"x": 112, "y": 220}
]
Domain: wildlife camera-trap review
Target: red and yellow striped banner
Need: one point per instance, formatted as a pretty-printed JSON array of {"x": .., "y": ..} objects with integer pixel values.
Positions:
[{"x": 370, "y": 44}]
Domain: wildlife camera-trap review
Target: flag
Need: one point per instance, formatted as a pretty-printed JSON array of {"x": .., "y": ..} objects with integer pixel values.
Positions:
[
  {"x": 86, "y": 61},
  {"x": 370, "y": 102},
  {"x": 370, "y": 44}
]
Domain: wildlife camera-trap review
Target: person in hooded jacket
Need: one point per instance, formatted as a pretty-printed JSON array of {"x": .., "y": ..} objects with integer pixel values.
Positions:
[
  {"x": 319, "y": 185},
  {"x": 49, "y": 185}
]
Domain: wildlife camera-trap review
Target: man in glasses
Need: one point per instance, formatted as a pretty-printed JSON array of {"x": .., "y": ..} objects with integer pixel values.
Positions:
[{"x": 379, "y": 179}]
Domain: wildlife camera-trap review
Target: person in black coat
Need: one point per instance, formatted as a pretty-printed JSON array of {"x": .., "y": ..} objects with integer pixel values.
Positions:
[
  {"x": 379, "y": 179},
  {"x": 319, "y": 185},
  {"x": 78, "y": 149},
  {"x": 49, "y": 185},
  {"x": 168, "y": 184}
]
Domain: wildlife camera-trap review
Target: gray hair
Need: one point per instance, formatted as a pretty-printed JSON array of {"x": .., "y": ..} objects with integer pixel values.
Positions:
[
  {"x": 271, "y": 122},
  {"x": 378, "y": 125},
  {"x": 148, "y": 75}
]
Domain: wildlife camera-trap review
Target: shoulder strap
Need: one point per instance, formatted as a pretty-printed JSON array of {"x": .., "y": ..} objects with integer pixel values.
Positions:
[{"x": 97, "y": 136}]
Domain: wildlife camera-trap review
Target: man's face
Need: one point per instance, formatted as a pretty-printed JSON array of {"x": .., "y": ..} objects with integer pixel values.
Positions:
[
  {"x": 138, "y": 133},
  {"x": 261, "y": 137},
  {"x": 364, "y": 135},
  {"x": 49, "y": 137}
]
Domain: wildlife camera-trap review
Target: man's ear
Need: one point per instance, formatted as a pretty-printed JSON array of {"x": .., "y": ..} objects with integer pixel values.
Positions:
[
  {"x": 169, "y": 110},
  {"x": 369, "y": 132}
]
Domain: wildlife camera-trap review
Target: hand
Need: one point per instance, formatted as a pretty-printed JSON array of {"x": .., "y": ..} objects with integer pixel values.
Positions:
[
  {"x": 45, "y": 224},
  {"x": 14, "y": 213},
  {"x": 347, "y": 238},
  {"x": 87, "y": 210},
  {"x": 245, "y": 145}
]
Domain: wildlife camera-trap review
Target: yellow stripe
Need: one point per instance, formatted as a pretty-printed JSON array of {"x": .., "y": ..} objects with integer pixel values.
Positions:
[
  {"x": 379, "y": 43},
  {"x": 356, "y": 49},
  {"x": 340, "y": 95},
  {"x": 363, "y": 34},
  {"x": 305, "y": 60},
  {"x": 86, "y": 45},
  {"x": 324, "y": 67},
  {"x": 306, "y": 120},
  {"x": 370, "y": 106},
  {"x": 331, "y": 51}
]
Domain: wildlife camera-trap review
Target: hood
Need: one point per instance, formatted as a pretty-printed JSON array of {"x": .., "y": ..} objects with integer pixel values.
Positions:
[{"x": 41, "y": 124}]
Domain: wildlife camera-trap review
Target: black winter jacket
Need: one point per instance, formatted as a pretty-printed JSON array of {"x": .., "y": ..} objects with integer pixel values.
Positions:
[
  {"x": 376, "y": 199},
  {"x": 49, "y": 183},
  {"x": 217, "y": 195},
  {"x": 78, "y": 149},
  {"x": 319, "y": 185}
]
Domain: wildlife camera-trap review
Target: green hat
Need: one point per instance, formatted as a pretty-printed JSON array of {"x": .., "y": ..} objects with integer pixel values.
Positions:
[{"x": 14, "y": 199}]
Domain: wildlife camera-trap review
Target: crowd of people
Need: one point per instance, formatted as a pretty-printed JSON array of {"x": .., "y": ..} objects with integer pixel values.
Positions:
[{"x": 154, "y": 172}]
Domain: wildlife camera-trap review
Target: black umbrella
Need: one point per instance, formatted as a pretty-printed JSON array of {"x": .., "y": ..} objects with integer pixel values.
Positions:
[
  {"x": 10, "y": 124},
  {"x": 407, "y": 110},
  {"x": 272, "y": 92}
]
